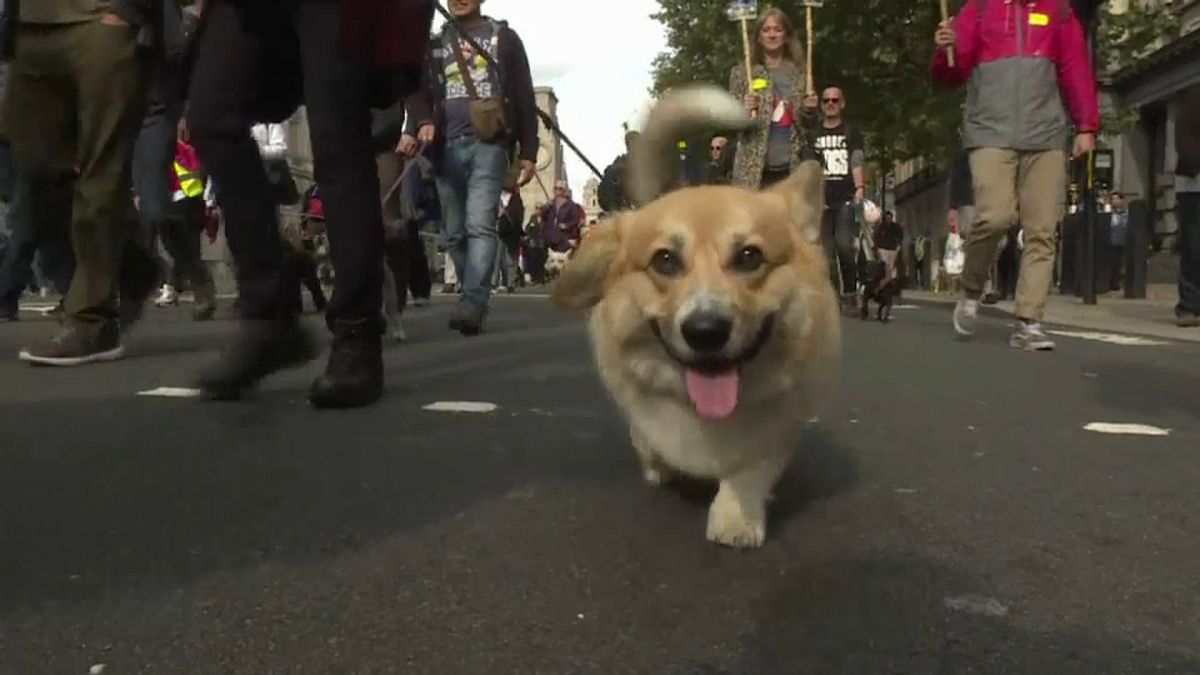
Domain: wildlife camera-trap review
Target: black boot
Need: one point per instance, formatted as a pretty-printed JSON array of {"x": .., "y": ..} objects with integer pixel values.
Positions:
[
  {"x": 261, "y": 348},
  {"x": 354, "y": 376}
]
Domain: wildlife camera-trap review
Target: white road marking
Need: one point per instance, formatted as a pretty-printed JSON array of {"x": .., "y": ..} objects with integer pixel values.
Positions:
[
  {"x": 462, "y": 406},
  {"x": 976, "y": 604},
  {"x": 1110, "y": 338},
  {"x": 905, "y": 491},
  {"x": 906, "y": 307},
  {"x": 172, "y": 392},
  {"x": 1126, "y": 429}
]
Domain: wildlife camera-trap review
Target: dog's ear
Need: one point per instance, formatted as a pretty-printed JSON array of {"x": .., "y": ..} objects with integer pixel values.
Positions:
[
  {"x": 584, "y": 279},
  {"x": 803, "y": 193}
]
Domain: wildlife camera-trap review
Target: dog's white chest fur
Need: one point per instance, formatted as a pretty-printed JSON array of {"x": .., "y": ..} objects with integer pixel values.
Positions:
[{"x": 672, "y": 430}]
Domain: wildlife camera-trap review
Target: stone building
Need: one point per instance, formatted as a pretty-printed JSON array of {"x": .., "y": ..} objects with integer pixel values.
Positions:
[
  {"x": 550, "y": 162},
  {"x": 591, "y": 199},
  {"x": 1144, "y": 155}
]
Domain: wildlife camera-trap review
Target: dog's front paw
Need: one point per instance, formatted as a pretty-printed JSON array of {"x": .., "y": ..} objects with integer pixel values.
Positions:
[{"x": 729, "y": 525}]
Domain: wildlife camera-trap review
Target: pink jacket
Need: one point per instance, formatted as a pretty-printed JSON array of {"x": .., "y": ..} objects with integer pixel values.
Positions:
[{"x": 1021, "y": 60}]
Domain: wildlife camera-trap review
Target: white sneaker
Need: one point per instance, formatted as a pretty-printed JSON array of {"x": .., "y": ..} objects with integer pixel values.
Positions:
[
  {"x": 1031, "y": 338},
  {"x": 167, "y": 297},
  {"x": 965, "y": 313}
]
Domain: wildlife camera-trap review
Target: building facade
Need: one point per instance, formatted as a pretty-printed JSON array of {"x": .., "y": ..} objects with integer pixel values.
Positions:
[
  {"x": 591, "y": 199},
  {"x": 1144, "y": 155},
  {"x": 550, "y": 165}
]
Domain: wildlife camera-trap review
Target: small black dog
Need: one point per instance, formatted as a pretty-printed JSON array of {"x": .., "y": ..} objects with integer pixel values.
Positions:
[{"x": 879, "y": 288}]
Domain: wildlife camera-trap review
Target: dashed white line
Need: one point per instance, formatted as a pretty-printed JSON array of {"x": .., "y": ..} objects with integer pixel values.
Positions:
[
  {"x": 1110, "y": 338},
  {"x": 1122, "y": 429},
  {"x": 171, "y": 392},
  {"x": 462, "y": 407},
  {"x": 976, "y": 604}
]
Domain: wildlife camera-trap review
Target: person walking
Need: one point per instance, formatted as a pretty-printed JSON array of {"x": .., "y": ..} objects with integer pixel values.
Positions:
[
  {"x": 76, "y": 96},
  {"x": 843, "y": 152},
  {"x": 256, "y": 62},
  {"x": 1016, "y": 128},
  {"x": 784, "y": 113},
  {"x": 1187, "y": 205},
  {"x": 475, "y": 114}
]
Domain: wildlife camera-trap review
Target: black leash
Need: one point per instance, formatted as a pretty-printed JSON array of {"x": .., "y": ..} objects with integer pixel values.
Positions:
[{"x": 546, "y": 119}]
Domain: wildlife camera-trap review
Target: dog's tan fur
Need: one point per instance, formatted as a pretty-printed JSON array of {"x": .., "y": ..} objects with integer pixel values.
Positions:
[{"x": 781, "y": 387}]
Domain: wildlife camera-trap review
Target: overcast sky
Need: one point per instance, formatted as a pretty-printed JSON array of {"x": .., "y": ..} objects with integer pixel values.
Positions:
[{"x": 597, "y": 56}]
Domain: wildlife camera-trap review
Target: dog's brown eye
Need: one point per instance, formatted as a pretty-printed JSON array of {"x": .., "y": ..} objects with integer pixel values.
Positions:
[
  {"x": 749, "y": 259},
  {"x": 666, "y": 263}
]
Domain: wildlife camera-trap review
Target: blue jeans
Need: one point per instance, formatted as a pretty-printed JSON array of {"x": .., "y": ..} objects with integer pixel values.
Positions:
[
  {"x": 470, "y": 176},
  {"x": 153, "y": 154},
  {"x": 48, "y": 240}
]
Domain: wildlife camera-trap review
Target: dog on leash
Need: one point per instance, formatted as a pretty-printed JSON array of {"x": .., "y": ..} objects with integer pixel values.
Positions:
[
  {"x": 880, "y": 287},
  {"x": 555, "y": 262},
  {"x": 712, "y": 318}
]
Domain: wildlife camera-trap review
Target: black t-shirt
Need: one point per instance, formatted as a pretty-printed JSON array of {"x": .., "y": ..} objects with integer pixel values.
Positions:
[{"x": 835, "y": 146}]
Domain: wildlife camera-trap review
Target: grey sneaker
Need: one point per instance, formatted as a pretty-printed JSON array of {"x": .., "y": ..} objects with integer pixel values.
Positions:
[
  {"x": 1031, "y": 338},
  {"x": 76, "y": 345},
  {"x": 965, "y": 313}
]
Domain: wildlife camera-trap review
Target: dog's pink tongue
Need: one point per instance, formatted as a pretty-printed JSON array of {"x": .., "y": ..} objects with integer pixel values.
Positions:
[{"x": 715, "y": 396}]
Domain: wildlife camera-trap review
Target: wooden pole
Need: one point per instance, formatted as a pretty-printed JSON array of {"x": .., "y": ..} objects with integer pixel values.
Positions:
[
  {"x": 808, "y": 73},
  {"x": 749, "y": 66},
  {"x": 945, "y": 18}
]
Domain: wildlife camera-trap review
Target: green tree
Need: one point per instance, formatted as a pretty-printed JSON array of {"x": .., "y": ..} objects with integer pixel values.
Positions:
[
  {"x": 878, "y": 51},
  {"x": 1123, "y": 39}
]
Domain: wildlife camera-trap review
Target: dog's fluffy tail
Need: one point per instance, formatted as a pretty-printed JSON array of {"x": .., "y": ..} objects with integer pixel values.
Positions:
[{"x": 684, "y": 112}]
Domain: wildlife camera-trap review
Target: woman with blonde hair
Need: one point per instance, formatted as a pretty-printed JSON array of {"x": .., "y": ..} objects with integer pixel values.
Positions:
[{"x": 784, "y": 113}]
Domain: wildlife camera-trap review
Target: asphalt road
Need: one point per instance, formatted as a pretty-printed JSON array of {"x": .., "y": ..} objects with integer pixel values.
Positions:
[{"x": 949, "y": 515}]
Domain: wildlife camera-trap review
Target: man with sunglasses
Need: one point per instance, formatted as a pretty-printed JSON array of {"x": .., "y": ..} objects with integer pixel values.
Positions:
[
  {"x": 843, "y": 153},
  {"x": 720, "y": 164}
]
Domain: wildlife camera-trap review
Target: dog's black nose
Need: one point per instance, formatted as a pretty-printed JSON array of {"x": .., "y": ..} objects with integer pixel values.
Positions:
[{"x": 706, "y": 332}]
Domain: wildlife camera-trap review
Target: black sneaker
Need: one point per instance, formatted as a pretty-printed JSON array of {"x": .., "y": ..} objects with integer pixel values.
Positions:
[
  {"x": 354, "y": 376},
  {"x": 261, "y": 348},
  {"x": 77, "y": 345},
  {"x": 1187, "y": 320}
]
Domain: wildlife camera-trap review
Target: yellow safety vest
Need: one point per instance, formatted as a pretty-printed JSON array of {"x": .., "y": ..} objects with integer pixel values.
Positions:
[{"x": 189, "y": 184}]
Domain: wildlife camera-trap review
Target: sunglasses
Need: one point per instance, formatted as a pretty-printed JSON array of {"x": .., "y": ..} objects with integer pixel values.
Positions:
[
  {"x": 831, "y": 100},
  {"x": 717, "y": 147}
]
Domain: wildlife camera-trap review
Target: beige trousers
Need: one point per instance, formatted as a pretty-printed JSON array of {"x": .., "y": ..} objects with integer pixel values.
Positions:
[{"x": 1016, "y": 187}]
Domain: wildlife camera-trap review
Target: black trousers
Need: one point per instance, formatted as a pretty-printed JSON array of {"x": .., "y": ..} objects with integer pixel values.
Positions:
[
  {"x": 410, "y": 268},
  {"x": 246, "y": 49},
  {"x": 1188, "y": 209},
  {"x": 839, "y": 233}
]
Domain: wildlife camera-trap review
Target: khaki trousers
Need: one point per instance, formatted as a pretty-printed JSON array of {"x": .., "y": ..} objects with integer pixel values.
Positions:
[
  {"x": 75, "y": 104},
  {"x": 1014, "y": 187}
]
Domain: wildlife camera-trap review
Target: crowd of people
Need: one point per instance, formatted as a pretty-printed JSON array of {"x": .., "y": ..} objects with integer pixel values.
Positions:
[
  {"x": 139, "y": 125},
  {"x": 131, "y": 128}
]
